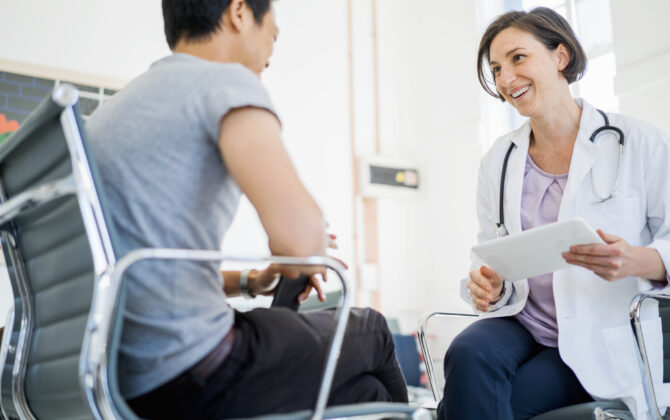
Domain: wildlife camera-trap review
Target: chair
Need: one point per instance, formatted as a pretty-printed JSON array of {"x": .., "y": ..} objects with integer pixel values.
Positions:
[
  {"x": 599, "y": 410},
  {"x": 59, "y": 357},
  {"x": 408, "y": 358}
]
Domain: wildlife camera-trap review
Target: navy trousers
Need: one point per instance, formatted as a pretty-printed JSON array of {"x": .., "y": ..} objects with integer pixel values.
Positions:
[{"x": 494, "y": 369}]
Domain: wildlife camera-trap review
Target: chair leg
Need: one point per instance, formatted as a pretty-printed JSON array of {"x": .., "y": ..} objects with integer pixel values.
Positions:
[{"x": 611, "y": 414}]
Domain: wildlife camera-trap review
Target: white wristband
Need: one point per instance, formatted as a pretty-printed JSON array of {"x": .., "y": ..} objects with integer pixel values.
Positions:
[{"x": 244, "y": 284}]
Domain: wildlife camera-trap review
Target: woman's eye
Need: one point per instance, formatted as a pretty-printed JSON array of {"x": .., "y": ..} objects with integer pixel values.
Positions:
[
  {"x": 495, "y": 70},
  {"x": 518, "y": 57}
]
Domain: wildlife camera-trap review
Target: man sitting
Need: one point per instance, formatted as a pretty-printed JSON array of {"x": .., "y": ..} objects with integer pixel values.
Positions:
[{"x": 176, "y": 149}]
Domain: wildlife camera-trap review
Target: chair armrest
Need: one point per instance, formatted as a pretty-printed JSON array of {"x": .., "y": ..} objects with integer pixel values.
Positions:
[
  {"x": 104, "y": 307},
  {"x": 425, "y": 351},
  {"x": 635, "y": 321}
]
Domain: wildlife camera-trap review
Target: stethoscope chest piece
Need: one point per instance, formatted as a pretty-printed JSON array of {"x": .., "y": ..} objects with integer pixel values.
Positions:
[{"x": 501, "y": 230}]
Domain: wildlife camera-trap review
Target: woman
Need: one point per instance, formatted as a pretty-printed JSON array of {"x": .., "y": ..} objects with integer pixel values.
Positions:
[{"x": 562, "y": 338}]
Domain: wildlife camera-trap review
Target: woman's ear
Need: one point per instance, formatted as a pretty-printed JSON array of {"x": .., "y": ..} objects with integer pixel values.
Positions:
[{"x": 562, "y": 53}]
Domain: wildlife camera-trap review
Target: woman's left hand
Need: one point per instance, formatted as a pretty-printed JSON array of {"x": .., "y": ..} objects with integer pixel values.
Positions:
[{"x": 616, "y": 259}]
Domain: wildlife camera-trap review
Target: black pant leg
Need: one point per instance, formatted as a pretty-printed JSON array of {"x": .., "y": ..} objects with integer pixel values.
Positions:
[
  {"x": 284, "y": 353},
  {"x": 362, "y": 388},
  {"x": 276, "y": 366},
  {"x": 369, "y": 348}
]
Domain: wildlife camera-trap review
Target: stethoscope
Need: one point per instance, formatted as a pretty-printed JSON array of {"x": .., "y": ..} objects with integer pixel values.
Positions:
[{"x": 501, "y": 230}]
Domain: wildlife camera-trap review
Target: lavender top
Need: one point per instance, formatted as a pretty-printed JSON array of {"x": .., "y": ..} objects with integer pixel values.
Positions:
[{"x": 540, "y": 202}]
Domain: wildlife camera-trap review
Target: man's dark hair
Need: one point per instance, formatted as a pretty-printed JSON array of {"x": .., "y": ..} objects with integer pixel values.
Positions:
[
  {"x": 196, "y": 20},
  {"x": 549, "y": 27}
]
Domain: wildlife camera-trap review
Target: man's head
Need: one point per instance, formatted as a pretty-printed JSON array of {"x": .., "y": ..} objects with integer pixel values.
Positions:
[{"x": 244, "y": 30}]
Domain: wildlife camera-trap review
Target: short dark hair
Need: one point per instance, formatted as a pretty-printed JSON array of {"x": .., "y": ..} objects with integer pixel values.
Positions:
[
  {"x": 549, "y": 27},
  {"x": 197, "y": 19}
]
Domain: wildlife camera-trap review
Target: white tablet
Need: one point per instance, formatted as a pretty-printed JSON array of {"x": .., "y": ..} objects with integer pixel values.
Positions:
[{"x": 535, "y": 251}]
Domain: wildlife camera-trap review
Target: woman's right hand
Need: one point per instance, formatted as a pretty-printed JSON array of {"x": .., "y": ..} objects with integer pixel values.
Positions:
[{"x": 485, "y": 286}]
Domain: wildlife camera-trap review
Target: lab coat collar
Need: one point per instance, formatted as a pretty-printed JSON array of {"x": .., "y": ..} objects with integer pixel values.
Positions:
[
  {"x": 514, "y": 183},
  {"x": 584, "y": 155}
]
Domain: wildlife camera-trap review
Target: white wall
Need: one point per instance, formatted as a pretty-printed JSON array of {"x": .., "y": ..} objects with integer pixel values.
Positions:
[
  {"x": 429, "y": 112},
  {"x": 115, "y": 39},
  {"x": 642, "y": 47}
]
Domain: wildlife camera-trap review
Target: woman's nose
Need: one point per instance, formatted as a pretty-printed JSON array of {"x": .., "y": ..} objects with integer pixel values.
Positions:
[{"x": 505, "y": 77}]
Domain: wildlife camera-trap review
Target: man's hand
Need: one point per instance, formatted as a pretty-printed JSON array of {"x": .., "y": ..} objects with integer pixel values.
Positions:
[
  {"x": 265, "y": 281},
  {"x": 616, "y": 259},
  {"x": 485, "y": 286}
]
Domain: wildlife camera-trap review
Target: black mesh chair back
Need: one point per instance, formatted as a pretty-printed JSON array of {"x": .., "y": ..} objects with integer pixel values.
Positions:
[{"x": 58, "y": 250}]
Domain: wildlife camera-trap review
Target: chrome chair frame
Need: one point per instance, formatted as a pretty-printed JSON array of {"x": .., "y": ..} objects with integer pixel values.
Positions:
[
  {"x": 645, "y": 370},
  {"x": 423, "y": 343},
  {"x": 598, "y": 413},
  {"x": 93, "y": 368},
  {"x": 105, "y": 306}
]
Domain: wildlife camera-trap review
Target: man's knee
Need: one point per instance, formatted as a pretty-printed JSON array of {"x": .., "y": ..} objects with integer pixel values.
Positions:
[
  {"x": 378, "y": 320},
  {"x": 368, "y": 320},
  {"x": 363, "y": 388}
]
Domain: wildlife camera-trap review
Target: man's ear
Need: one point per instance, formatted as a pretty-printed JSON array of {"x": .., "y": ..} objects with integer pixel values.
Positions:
[
  {"x": 563, "y": 55},
  {"x": 235, "y": 14}
]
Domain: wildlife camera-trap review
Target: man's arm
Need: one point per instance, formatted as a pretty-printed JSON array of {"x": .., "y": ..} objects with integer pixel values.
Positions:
[{"x": 251, "y": 147}]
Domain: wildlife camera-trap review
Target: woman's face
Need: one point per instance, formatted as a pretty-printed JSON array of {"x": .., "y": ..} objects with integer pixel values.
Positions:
[{"x": 528, "y": 74}]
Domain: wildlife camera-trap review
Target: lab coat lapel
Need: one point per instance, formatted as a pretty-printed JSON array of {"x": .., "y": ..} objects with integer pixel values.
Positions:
[
  {"x": 584, "y": 155},
  {"x": 515, "y": 172}
]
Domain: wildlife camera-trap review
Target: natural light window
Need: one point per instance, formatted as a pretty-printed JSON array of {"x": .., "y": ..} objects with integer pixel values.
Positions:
[{"x": 592, "y": 21}]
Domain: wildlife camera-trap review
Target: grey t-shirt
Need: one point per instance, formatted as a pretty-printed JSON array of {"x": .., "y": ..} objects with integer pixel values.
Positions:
[{"x": 155, "y": 143}]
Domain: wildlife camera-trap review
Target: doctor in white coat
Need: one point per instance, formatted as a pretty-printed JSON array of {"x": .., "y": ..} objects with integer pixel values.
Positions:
[{"x": 563, "y": 338}]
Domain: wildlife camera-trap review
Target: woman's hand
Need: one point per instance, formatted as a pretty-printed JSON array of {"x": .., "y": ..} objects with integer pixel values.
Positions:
[
  {"x": 485, "y": 287},
  {"x": 616, "y": 259}
]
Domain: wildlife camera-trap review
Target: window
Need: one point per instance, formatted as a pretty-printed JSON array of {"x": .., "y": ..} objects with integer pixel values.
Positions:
[{"x": 592, "y": 22}]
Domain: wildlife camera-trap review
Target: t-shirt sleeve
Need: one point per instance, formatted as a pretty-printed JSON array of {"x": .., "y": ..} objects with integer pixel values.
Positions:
[{"x": 225, "y": 89}]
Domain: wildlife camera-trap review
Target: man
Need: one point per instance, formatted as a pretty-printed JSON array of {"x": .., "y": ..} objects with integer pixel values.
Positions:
[{"x": 176, "y": 149}]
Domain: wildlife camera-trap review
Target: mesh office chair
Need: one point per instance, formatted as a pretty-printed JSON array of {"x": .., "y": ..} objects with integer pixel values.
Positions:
[
  {"x": 59, "y": 353},
  {"x": 600, "y": 410}
]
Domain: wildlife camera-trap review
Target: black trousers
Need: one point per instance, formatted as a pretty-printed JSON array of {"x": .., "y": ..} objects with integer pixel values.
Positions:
[
  {"x": 276, "y": 365},
  {"x": 494, "y": 369}
]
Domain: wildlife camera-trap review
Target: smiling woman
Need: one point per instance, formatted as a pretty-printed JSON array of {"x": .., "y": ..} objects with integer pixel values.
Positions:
[
  {"x": 552, "y": 33},
  {"x": 529, "y": 59}
]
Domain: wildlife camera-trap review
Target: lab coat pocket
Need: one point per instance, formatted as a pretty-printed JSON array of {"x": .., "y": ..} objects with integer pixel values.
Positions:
[
  {"x": 622, "y": 216},
  {"x": 624, "y": 355}
]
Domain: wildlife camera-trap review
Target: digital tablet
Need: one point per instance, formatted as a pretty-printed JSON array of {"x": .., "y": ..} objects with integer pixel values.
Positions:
[{"x": 535, "y": 251}]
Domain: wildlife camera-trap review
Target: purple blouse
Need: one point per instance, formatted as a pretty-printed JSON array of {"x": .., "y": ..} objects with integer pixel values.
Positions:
[{"x": 540, "y": 202}]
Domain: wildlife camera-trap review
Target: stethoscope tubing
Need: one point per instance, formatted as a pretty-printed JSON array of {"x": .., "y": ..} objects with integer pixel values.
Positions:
[{"x": 502, "y": 230}]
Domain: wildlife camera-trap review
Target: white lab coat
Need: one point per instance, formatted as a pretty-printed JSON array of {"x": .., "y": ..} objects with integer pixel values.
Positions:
[{"x": 595, "y": 338}]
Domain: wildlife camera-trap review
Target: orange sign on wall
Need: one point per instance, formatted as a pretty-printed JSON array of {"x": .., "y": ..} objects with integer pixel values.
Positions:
[{"x": 7, "y": 127}]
